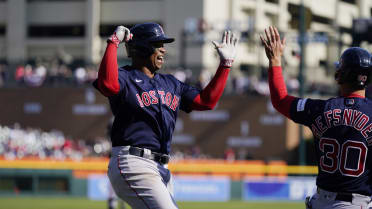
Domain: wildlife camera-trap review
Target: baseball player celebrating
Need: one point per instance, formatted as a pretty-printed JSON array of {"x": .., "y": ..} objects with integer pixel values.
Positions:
[
  {"x": 145, "y": 104},
  {"x": 342, "y": 126}
]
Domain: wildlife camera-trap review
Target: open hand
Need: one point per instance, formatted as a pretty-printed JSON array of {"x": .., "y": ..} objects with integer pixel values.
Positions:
[
  {"x": 227, "y": 49},
  {"x": 274, "y": 47}
]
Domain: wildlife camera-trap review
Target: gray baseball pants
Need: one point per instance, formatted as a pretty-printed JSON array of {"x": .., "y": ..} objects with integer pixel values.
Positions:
[
  {"x": 141, "y": 182},
  {"x": 327, "y": 200}
]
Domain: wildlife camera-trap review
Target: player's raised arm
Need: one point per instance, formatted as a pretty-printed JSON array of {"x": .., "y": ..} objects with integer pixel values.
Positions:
[
  {"x": 274, "y": 48},
  {"x": 107, "y": 82},
  {"x": 209, "y": 96}
]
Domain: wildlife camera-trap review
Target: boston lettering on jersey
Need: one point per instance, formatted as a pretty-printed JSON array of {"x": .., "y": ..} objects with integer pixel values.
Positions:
[
  {"x": 148, "y": 98},
  {"x": 347, "y": 117}
]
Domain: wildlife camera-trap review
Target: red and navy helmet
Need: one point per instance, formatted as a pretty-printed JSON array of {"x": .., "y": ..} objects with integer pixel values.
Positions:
[
  {"x": 354, "y": 67},
  {"x": 144, "y": 35}
]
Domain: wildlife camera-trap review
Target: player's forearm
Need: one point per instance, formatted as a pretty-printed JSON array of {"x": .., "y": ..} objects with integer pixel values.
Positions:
[
  {"x": 209, "y": 96},
  {"x": 275, "y": 61},
  {"x": 108, "y": 71},
  {"x": 278, "y": 91}
]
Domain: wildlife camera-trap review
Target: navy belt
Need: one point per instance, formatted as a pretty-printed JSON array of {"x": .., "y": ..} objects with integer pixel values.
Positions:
[
  {"x": 347, "y": 197},
  {"x": 158, "y": 157}
]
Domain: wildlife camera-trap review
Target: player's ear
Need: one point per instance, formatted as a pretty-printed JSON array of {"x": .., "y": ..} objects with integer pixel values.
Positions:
[{"x": 337, "y": 75}]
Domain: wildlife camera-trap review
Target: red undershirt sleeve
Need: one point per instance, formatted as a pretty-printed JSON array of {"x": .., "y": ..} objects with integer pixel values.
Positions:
[
  {"x": 278, "y": 91},
  {"x": 209, "y": 96},
  {"x": 108, "y": 82}
]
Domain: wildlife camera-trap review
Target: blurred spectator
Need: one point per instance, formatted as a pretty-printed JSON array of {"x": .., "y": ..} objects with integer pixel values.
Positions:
[
  {"x": 180, "y": 74},
  {"x": 229, "y": 154},
  {"x": 243, "y": 154},
  {"x": 240, "y": 84},
  {"x": 92, "y": 73},
  {"x": 203, "y": 26},
  {"x": 34, "y": 77},
  {"x": 80, "y": 75},
  {"x": 64, "y": 73},
  {"x": 177, "y": 155},
  {"x": 321, "y": 89},
  {"x": 20, "y": 74},
  {"x": 17, "y": 143},
  {"x": 63, "y": 55},
  {"x": 261, "y": 87},
  {"x": 293, "y": 84},
  {"x": 3, "y": 74},
  {"x": 40, "y": 70},
  {"x": 204, "y": 78},
  {"x": 195, "y": 152},
  {"x": 53, "y": 72}
]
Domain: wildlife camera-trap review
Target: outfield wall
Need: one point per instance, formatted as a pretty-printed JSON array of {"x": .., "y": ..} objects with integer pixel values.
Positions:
[
  {"x": 222, "y": 188},
  {"x": 240, "y": 122},
  {"x": 41, "y": 182},
  {"x": 186, "y": 187},
  {"x": 213, "y": 180}
]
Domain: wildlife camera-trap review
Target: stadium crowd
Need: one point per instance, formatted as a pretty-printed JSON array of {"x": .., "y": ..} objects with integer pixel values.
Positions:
[
  {"x": 55, "y": 73},
  {"x": 18, "y": 143}
]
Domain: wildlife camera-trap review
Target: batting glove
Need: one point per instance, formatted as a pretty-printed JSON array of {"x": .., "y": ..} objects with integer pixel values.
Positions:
[
  {"x": 227, "y": 49},
  {"x": 121, "y": 34}
]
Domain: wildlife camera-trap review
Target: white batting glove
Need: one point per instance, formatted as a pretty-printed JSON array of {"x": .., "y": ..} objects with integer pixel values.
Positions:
[
  {"x": 121, "y": 34},
  {"x": 227, "y": 49}
]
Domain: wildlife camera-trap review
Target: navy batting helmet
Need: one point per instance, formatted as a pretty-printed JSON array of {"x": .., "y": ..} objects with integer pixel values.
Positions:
[
  {"x": 354, "y": 67},
  {"x": 144, "y": 35}
]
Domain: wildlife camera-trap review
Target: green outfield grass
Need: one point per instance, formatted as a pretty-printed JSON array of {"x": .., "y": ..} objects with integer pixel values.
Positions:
[{"x": 83, "y": 203}]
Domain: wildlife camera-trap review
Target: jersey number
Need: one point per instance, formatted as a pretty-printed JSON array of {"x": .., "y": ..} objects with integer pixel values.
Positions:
[{"x": 336, "y": 156}]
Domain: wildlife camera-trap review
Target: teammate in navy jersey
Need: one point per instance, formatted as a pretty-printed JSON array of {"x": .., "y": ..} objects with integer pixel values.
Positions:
[
  {"x": 342, "y": 126},
  {"x": 145, "y": 104}
]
